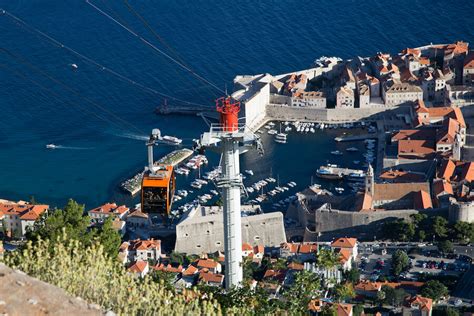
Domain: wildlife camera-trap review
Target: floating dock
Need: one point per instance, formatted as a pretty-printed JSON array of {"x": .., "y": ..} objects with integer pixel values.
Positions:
[
  {"x": 174, "y": 158},
  {"x": 333, "y": 172}
]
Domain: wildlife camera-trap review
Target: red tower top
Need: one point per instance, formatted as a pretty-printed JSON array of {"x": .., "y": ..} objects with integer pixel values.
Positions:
[{"x": 229, "y": 113}]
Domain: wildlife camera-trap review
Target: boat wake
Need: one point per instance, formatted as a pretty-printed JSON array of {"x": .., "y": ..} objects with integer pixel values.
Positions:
[
  {"x": 72, "y": 147},
  {"x": 132, "y": 136}
]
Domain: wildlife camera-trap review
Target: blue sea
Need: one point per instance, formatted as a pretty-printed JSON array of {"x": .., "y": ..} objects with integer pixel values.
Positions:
[{"x": 100, "y": 121}]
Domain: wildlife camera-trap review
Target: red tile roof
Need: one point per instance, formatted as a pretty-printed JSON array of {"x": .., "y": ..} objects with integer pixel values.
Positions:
[
  {"x": 209, "y": 277},
  {"x": 344, "y": 309},
  {"x": 442, "y": 186},
  {"x": 139, "y": 266},
  {"x": 139, "y": 244},
  {"x": 401, "y": 176},
  {"x": 367, "y": 286},
  {"x": 258, "y": 249},
  {"x": 207, "y": 263},
  {"x": 190, "y": 270},
  {"x": 416, "y": 148},
  {"x": 295, "y": 266},
  {"x": 23, "y": 211},
  {"x": 110, "y": 208},
  {"x": 247, "y": 247},
  {"x": 423, "y": 303},
  {"x": 422, "y": 200},
  {"x": 168, "y": 268},
  {"x": 308, "y": 248},
  {"x": 468, "y": 172},
  {"x": 344, "y": 242},
  {"x": 447, "y": 169}
]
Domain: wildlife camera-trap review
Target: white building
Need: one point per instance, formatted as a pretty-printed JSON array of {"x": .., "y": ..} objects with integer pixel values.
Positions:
[
  {"x": 312, "y": 99},
  {"x": 144, "y": 250},
  {"x": 99, "y": 214},
  {"x": 348, "y": 250},
  {"x": 18, "y": 217},
  {"x": 138, "y": 219},
  {"x": 345, "y": 98}
]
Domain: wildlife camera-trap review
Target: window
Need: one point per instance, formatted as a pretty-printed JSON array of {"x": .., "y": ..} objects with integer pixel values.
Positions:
[
  {"x": 218, "y": 243},
  {"x": 256, "y": 238}
]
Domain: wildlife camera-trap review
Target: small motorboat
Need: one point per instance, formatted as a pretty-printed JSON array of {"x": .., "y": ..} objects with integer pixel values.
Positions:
[
  {"x": 352, "y": 149},
  {"x": 51, "y": 146},
  {"x": 74, "y": 66},
  {"x": 336, "y": 152}
]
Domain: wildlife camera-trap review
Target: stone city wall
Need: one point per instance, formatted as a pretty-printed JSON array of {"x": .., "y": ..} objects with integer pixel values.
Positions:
[{"x": 282, "y": 112}]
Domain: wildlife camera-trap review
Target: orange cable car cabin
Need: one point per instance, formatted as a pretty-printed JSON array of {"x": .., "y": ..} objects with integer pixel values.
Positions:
[{"x": 158, "y": 191}]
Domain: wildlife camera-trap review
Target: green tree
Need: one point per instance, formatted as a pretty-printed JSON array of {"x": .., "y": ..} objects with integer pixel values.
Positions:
[
  {"x": 358, "y": 309},
  {"x": 400, "y": 262},
  {"x": 393, "y": 297},
  {"x": 434, "y": 290},
  {"x": 177, "y": 258},
  {"x": 70, "y": 220},
  {"x": 164, "y": 278},
  {"x": 445, "y": 246},
  {"x": 305, "y": 287},
  {"x": 381, "y": 296},
  {"x": 329, "y": 310},
  {"x": 449, "y": 311},
  {"x": 327, "y": 258},
  {"x": 398, "y": 230},
  {"x": 344, "y": 291},
  {"x": 353, "y": 275},
  {"x": 439, "y": 227},
  {"x": 464, "y": 231},
  {"x": 108, "y": 237}
]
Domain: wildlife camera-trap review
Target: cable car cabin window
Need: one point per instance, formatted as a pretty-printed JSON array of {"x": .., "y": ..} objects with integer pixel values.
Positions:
[{"x": 155, "y": 200}]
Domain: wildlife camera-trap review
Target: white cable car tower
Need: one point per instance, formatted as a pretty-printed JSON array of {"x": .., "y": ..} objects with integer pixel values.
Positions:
[{"x": 228, "y": 138}]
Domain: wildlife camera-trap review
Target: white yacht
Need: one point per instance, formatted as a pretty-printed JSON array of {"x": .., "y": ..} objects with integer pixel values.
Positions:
[{"x": 51, "y": 146}]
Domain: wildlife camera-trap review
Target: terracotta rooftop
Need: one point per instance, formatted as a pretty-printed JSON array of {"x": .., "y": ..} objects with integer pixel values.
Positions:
[
  {"x": 110, "y": 208},
  {"x": 367, "y": 286},
  {"x": 401, "y": 176},
  {"x": 139, "y": 244},
  {"x": 139, "y": 266},
  {"x": 247, "y": 247},
  {"x": 422, "y": 200},
  {"x": 207, "y": 263},
  {"x": 422, "y": 149},
  {"x": 344, "y": 242},
  {"x": 442, "y": 186},
  {"x": 24, "y": 211},
  {"x": 168, "y": 268},
  {"x": 308, "y": 248},
  {"x": 209, "y": 277},
  {"x": 344, "y": 309},
  {"x": 467, "y": 172},
  {"x": 447, "y": 169},
  {"x": 422, "y": 303},
  {"x": 190, "y": 270},
  {"x": 295, "y": 266},
  {"x": 138, "y": 213},
  {"x": 396, "y": 191}
]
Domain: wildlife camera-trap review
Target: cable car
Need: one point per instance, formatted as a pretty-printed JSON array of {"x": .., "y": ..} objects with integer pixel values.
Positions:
[{"x": 158, "y": 188}]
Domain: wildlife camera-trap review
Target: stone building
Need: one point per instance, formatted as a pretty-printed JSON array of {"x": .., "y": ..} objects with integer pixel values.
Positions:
[
  {"x": 201, "y": 230},
  {"x": 398, "y": 93},
  {"x": 468, "y": 69},
  {"x": 345, "y": 98},
  {"x": 311, "y": 99}
]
